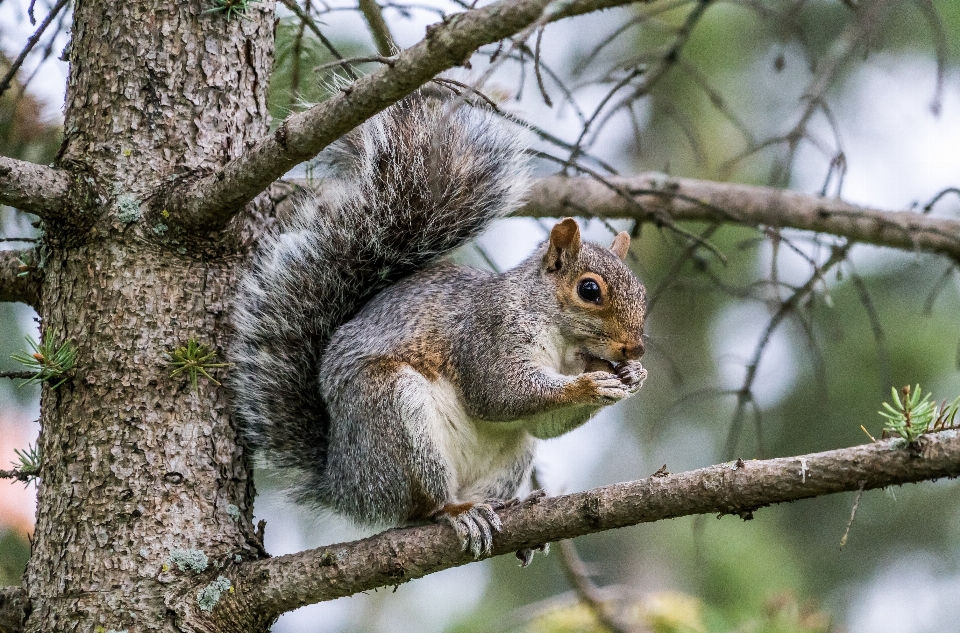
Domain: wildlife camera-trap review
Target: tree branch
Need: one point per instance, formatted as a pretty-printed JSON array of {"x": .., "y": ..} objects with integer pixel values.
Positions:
[
  {"x": 210, "y": 202},
  {"x": 44, "y": 191},
  {"x": 659, "y": 198},
  {"x": 14, "y": 284},
  {"x": 273, "y": 586},
  {"x": 14, "y": 609},
  {"x": 373, "y": 14}
]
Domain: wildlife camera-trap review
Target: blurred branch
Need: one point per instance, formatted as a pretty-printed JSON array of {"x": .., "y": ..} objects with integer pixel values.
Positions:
[
  {"x": 33, "y": 188},
  {"x": 745, "y": 394},
  {"x": 308, "y": 21},
  {"x": 15, "y": 66},
  {"x": 16, "y": 474},
  {"x": 19, "y": 278},
  {"x": 14, "y": 609},
  {"x": 373, "y": 14},
  {"x": 276, "y": 585},
  {"x": 656, "y": 196},
  {"x": 209, "y": 202},
  {"x": 588, "y": 593},
  {"x": 868, "y": 17}
]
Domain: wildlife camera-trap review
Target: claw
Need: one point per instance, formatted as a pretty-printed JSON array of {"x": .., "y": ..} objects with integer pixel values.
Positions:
[
  {"x": 525, "y": 555},
  {"x": 475, "y": 524}
]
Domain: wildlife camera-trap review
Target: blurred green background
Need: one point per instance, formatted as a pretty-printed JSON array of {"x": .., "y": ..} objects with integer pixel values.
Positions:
[{"x": 881, "y": 318}]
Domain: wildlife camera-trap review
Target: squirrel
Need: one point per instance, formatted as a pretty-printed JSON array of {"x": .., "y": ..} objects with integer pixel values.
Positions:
[{"x": 397, "y": 389}]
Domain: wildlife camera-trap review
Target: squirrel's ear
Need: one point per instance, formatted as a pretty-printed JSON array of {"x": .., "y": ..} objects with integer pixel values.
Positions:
[
  {"x": 564, "y": 244},
  {"x": 621, "y": 244}
]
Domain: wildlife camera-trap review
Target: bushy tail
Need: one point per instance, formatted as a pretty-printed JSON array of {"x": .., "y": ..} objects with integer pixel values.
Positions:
[{"x": 408, "y": 185}]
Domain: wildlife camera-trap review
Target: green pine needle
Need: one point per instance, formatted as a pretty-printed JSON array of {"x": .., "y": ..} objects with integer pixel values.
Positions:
[
  {"x": 29, "y": 461},
  {"x": 913, "y": 413},
  {"x": 48, "y": 361},
  {"x": 231, "y": 8},
  {"x": 194, "y": 359}
]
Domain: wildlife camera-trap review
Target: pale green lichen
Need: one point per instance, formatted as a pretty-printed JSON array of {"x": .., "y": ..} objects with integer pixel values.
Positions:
[
  {"x": 128, "y": 208},
  {"x": 209, "y": 596},
  {"x": 233, "y": 512},
  {"x": 160, "y": 228},
  {"x": 189, "y": 559}
]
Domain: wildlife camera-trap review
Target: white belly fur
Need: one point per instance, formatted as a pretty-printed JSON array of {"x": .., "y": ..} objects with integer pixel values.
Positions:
[{"x": 478, "y": 452}]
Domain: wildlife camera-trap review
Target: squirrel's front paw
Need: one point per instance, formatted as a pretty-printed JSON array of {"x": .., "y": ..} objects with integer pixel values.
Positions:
[
  {"x": 474, "y": 523},
  {"x": 632, "y": 374},
  {"x": 603, "y": 387}
]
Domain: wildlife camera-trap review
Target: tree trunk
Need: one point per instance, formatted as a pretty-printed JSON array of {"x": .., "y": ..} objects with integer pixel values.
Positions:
[{"x": 137, "y": 463}]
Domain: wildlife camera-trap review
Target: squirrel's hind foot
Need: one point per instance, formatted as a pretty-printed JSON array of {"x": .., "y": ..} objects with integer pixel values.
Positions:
[
  {"x": 525, "y": 555},
  {"x": 474, "y": 523}
]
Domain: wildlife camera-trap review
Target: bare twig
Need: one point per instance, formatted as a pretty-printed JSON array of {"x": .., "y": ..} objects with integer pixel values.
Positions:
[
  {"x": 879, "y": 337},
  {"x": 276, "y": 585},
  {"x": 745, "y": 393},
  {"x": 373, "y": 14},
  {"x": 940, "y": 48},
  {"x": 589, "y": 594},
  {"x": 312, "y": 25},
  {"x": 209, "y": 203},
  {"x": 15, "y": 66},
  {"x": 346, "y": 63},
  {"x": 868, "y": 18},
  {"x": 853, "y": 516},
  {"x": 18, "y": 475},
  {"x": 17, "y": 375}
]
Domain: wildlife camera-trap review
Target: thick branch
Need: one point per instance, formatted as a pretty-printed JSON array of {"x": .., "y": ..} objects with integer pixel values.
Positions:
[
  {"x": 33, "y": 188},
  {"x": 14, "y": 609},
  {"x": 208, "y": 203},
  {"x": 655, "y": 197},
  {"x": 273, "y": 586},
  {"x": 19, "y": 279}
]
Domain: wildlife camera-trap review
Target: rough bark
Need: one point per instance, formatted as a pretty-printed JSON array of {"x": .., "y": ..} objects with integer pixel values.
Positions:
[
  {"x": 44, "y": 191},
  {"x": 19, "y": 281},
  {"x": 396, "y": 556},
  {"x": 137, "y": 463},
  {"x": 211, "y": 201},
  {"x": 654, "y": 197},
  {"x": 14, "y": 609}
]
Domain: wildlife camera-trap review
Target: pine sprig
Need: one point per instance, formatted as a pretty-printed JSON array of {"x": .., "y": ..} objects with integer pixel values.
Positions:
[
  {"x": 27, "y": 468},
  {"x": 231, "y": 8},
  {"x": 911, "y": 413},
  {"x": 194, "y": 359},
  {"x": 47, "y": 362}
]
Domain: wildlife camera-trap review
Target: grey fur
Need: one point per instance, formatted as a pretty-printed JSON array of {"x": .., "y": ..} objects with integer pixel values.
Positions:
[{"x": 393, "y": 393}]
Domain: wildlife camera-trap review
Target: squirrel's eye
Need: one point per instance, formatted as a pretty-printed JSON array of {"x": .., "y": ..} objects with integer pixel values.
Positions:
[{"x": 589, "y": 290}]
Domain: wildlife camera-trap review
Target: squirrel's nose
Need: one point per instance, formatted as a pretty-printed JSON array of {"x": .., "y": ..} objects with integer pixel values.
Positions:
[{"x": 632, "y": 351}]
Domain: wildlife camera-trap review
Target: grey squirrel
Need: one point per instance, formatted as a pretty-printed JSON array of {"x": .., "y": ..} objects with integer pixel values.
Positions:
[{"x": 400, "y": 390}]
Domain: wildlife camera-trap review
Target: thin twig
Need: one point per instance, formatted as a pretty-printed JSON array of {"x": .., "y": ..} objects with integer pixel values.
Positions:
[
  {"x": 312, "y": 25},
  {"x": 356, "y": 60},
  {"x": 576, "y": 574},
  {"x": 373, "y": 14},
  {"x": 15, "y": 66},
  {"x": 17, "y": 374},
  {"x": 745, "y": 394},
  {"x": 853, "y": 515},
  {"x": 19, "y": 475}
]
